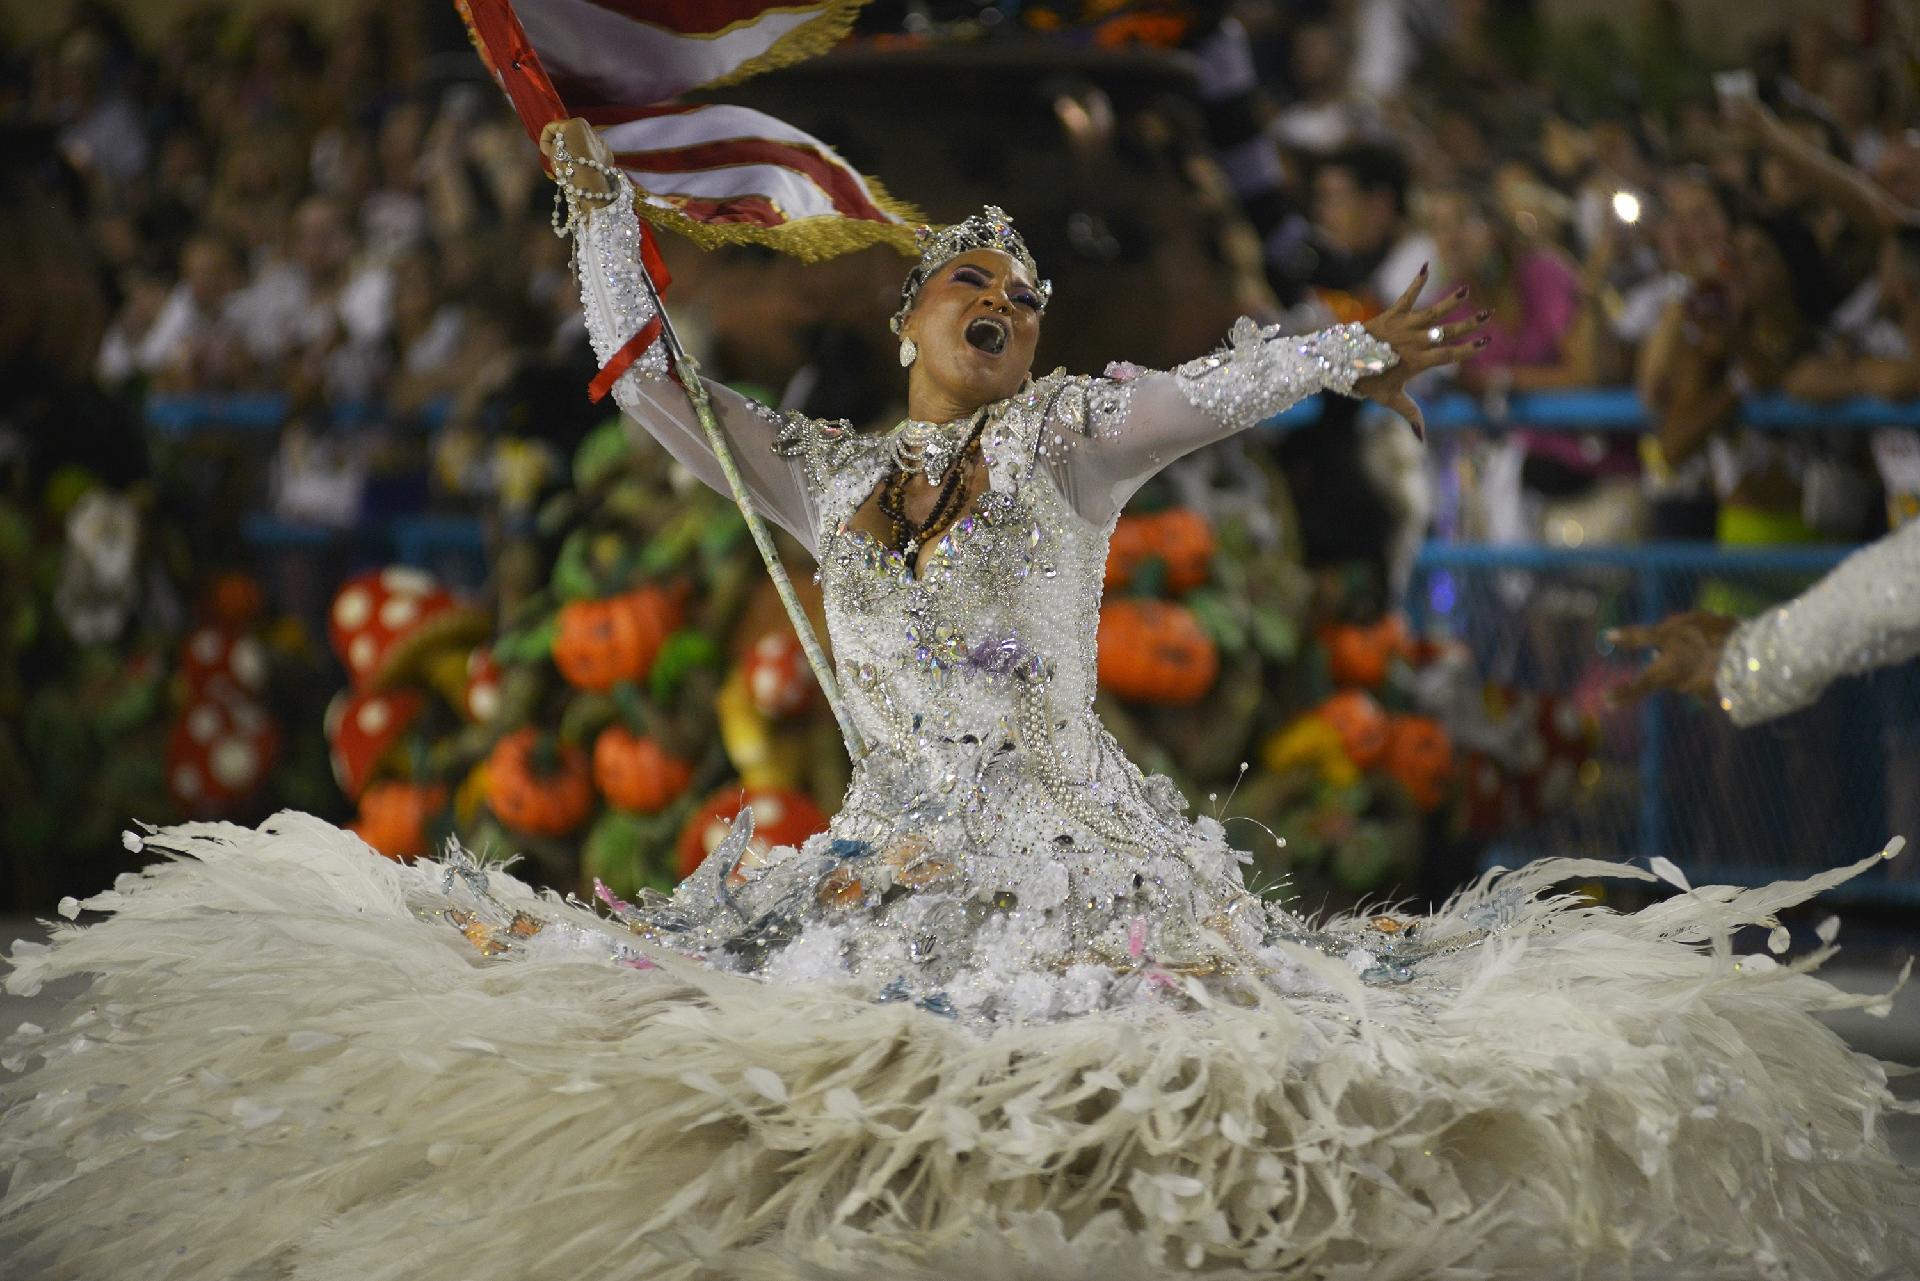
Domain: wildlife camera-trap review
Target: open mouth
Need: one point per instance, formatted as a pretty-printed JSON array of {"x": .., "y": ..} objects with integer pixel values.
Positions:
[{"x": 986, "y": 334}]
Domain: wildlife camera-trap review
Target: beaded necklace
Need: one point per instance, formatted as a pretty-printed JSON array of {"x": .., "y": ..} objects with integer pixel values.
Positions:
[
  {"x": 910, "y": 535},
  {"x": 932, "y": 447}
]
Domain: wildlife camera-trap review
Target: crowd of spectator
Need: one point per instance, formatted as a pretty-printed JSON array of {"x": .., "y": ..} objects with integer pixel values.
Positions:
[
  {"x": 351, "y": 222},
  {"x": 355, "y": 220},
  {"x": 1635, "y": 214}
]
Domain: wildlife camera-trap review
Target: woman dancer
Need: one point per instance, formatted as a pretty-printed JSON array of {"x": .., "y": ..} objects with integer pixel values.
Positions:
[{"x": 1015, "y": 1014}]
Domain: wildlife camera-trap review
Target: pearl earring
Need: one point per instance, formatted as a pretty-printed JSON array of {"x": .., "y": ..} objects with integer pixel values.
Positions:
[{"x": 909, "y": 352}]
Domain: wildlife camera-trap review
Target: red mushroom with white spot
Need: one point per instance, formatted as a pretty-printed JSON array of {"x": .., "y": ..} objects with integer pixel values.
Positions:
[
  {"x": 1569, "y": 737},
  {"x": 395, "y": 625},
  {"x": 480, "y": 702},
  {"x": 219, "y": 755},
  {"x": 362, "y": 731},
  {"x": 229, "y": 664},
  {"x": 778, "y": 678},
  {"x": 779, "y": 818}
]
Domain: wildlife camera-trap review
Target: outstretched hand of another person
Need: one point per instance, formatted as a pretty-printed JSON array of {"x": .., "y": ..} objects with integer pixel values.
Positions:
[
  {"x": 1422, "y": 340},
  {"x": 1686, "y": 655}
]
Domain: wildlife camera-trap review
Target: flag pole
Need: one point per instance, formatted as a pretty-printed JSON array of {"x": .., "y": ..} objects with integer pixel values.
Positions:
[{"x": 687, "y": 371}]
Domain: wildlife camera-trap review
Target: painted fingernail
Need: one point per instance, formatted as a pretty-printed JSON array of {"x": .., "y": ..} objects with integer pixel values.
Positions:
[
  {"x": 1483, "y": 315},
  {"x": 1483, "y": 340},
  {"x": 1461, "y": 292},
  {"x": 1424, "y": 266}
]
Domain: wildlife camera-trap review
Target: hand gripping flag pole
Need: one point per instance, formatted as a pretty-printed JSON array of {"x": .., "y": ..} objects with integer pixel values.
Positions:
[{"x": 504, "y": 45}]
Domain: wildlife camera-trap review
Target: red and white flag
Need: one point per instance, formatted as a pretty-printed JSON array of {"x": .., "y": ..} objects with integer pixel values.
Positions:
[
  {"x": 642, "y": 51},
  {"x": 718, "y": 174},
  {"x": 722, "y": 173}
]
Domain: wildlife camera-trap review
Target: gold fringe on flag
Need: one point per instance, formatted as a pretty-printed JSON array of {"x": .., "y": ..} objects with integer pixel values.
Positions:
[
  {"x": 810, "y": 38},
  {"x": 811, "y": 239}
]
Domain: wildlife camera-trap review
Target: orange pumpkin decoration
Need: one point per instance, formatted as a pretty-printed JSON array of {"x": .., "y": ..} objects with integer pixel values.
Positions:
[
  {"x": 1420, "y": 758},
  {"x": 394, "y": 817},
  {"x": 1360, "y": 723},
  {"x": 1155, "y": 651},
  {"x": 603, "y": 642},
  {"x": 780, "y": 817},
  {"x": 1181, "y": 538},
  {"x": 636, "y": 773},
  {"x": 1358, "y": 654},
  {"x": 542, "y": 797}
]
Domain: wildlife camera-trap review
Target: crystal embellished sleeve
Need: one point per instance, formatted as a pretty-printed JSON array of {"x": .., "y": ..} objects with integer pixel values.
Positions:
[
  {"x": 1110, "y": 436},
  {"x": 1863, "y": 615},
  {"x": 607, "y": 257}
]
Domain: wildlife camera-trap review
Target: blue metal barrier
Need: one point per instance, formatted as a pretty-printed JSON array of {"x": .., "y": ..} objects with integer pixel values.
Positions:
[
  {"x": 181, "y": 417},
  {"x": 1603, "y": 409},
  {"x": 1618, "y": 409},
  {"x": 453, "y": 547},
  {"x": 1818, "y": 788}
]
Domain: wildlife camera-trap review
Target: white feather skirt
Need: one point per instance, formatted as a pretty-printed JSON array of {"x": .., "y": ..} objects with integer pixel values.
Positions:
[{"x": 281, "y": 1070}]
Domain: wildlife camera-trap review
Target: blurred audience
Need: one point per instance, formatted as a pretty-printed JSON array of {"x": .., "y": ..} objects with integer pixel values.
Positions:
[{"x": 354, "y": 219}]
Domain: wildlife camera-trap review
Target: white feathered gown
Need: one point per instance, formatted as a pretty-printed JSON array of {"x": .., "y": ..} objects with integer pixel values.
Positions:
[{"x": 281, "y": 1071}]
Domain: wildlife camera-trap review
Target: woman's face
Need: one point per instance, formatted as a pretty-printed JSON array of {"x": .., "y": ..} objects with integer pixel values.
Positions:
[
  {"x": 976, "y": 323},
  {"x": 1697, "y": 225},
  {"x": 1460, "y": 232},
  {"x": 1564, "y": 148}
]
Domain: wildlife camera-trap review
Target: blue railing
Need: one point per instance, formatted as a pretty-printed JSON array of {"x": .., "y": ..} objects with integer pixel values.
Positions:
[
  {"x": 1604, "y": 409},
  {"x": 456, "y": 548},
  {"x": 181, "y": 418},
  {"x": 1654, "y": 558},
  {"x": 1618, "y": 409},
  {"x": 1823, "y": 787}
]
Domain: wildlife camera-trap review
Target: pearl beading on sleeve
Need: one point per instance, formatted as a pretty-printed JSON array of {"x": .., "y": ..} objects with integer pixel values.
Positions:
[
  {"x": 1863, "y": 615},
  {"x": 612, "y": 294},
  {"x": 1261, "y": 371}
]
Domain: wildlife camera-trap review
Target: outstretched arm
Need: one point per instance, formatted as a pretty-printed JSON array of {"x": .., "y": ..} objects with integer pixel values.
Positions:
[
  {"x": 1112, "y": 435},
  {"x": 1863, "y": 615},
  {"x": 616, "y": 304},
  {"x": 1864, "y": 201}
]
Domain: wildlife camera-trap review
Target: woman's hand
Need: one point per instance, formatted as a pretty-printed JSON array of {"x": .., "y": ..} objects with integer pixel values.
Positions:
[
  {"x": 1422, "y": 341},
  {"x": 581, "y": 142},
  {"x": 1686, "y": 655}
]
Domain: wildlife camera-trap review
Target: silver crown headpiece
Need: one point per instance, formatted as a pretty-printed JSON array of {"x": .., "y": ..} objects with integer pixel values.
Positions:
[{"x": 988, "y": 229}]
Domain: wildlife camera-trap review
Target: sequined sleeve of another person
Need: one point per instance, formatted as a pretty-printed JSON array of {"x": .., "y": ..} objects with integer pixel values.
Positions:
[
  {"x": 1110, "y": 435},
  {"x": 1863, "y": 615},
  {"x": 616, "y": 304}
]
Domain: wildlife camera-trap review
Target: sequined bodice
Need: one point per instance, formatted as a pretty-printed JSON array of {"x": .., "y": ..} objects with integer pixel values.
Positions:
[
  {"x": 1005, "y": 601},
  {"x": 972, "y": 680}
]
